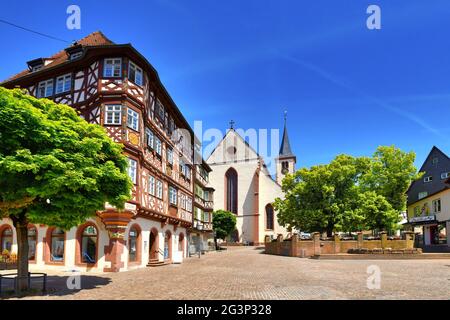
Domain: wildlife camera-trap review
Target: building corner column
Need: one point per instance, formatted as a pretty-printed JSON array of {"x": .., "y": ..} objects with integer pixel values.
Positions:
[{"x": 115, "y": 223}]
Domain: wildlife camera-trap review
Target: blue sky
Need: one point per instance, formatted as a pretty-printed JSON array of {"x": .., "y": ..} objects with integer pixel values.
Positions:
[{"x": 347, "y": 89}]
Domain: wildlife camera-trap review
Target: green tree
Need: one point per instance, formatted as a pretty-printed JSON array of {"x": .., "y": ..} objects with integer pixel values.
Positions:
[
  {"x": 323, "y": 197},
  {"x": 391, "y": 172},
  {"x": 224, "y": 222},
  {"x": 55, "y": 168},
  {"x": 348, "y": 194}
]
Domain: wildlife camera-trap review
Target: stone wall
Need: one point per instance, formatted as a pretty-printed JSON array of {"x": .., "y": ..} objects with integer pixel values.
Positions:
[{"x": 294, "y": 247}]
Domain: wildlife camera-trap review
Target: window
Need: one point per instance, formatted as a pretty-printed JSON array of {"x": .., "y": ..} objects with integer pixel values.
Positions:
[
  {"x": 158, "y": 146},
  {"x": 132, "y": 169},
  {"x": 206, "y": 216},
  {"x": 189, "y": 204},
  {"x": 6, "y": 239},
  {"x": 206, "y": 195},
  {"x": 172, "y": 195},
  {"x": 89, "y": 245},
  {"x": 112, "y": 68},
  {"x": 437, "y": 205},
  {"x": 37, "y": 68},
  {"x": 113, "y": 114},
  {"x": 135, "y": 74},
  {"x": 269, "y": 217},
  {"x": 416, "y": 211},
  {"x": 57, "y": 245},
  {"x": 187, "y": 171},
  {"x": 132, "y": 244},
  {"x": 183, "y": 201},
  {"x": 435, "y": 160},
  {"x": 445, "y": 175},
  {"x": 76, "y": 55},
  {"x": 32, "y": 243},
  {"x": 133, "y": 119},
  {"x": 422, "y": 194},
  {"x": 160, "y": 109},
  {"x": 159, "y": 189},
  {"x": 428, "y": 179},
  {"x": 151, "y": 185},
  {"x": 231, "y": 190},
  {"x": 63, "y": 83},
  {"x": 150, "y": 138},
  {"x": 170, "y": 156},
  {"x": 45, "y": 89}
]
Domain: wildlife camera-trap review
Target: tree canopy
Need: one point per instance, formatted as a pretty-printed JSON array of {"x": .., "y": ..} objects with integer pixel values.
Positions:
[
  {"x": 349, "y": 193},
  {"x": 55, "y": 168},
  {"x": 224, "y": 222}
]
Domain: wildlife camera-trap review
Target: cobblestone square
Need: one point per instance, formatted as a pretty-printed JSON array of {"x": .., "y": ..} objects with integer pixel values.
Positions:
[{"x": 247, "y": 273}]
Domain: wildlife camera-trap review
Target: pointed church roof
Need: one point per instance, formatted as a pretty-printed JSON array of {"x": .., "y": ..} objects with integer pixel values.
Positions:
[{"x": 285, "y": 149}]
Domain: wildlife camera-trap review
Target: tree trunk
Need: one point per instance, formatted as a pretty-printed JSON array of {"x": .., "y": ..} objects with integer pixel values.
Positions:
[
  {"x": 21, "y": 224},
  {"x": 215, "y": 243}
]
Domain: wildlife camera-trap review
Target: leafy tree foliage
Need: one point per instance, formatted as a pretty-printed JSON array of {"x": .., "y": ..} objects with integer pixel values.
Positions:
[
  {"x": 55, "y": 168},
  {"x": 224, "y": 222},
  {"x": 349, "y": 193}
]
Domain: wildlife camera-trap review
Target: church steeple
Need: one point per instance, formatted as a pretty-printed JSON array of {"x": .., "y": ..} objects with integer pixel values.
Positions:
[
  {"x": 285, "y": 149},
  {"x": 286, "y": 159}
]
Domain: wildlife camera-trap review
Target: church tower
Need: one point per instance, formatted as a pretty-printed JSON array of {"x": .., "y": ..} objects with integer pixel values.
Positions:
[{"x": 286, "y": 160}]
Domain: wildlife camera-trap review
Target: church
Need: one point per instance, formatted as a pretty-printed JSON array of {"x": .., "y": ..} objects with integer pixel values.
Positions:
[{"x": 243, "y": 185}]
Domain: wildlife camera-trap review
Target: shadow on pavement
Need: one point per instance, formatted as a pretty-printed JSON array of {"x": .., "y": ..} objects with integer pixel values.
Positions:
[{"x": 56, "y": 286}]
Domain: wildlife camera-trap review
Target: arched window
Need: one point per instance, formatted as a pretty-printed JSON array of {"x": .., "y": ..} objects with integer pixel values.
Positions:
[
  {"x": 269, "y": 217},
  {"x": 32, "y": 238},
  {"x": 57, "y": 245},
  {"x": 89, "y": 244},
  {"x": 6, "y": 239},
  {"x": 231, "y": 191},
  {"x": 167, "y": 245},
  {"x": 133, "y": 244}
]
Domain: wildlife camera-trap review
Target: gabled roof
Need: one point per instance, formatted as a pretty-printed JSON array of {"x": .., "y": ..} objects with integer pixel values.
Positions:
[
  {"x": 436, "y": 184},
  {"x": 96, "y": 38}
]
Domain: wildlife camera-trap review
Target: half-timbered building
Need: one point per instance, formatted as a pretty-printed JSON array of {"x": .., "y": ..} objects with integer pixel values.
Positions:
[{"x": 113, "y": 85}]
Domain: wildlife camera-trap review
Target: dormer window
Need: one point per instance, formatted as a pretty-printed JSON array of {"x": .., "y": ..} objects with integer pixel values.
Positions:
[
  {"x": 37, "y": 68},
  {"x": 36, "y": 64},
  {"x": 76, "y": 55}
]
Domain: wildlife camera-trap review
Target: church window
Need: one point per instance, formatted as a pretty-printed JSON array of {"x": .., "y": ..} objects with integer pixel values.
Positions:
[
  {"x": 284, "y": 167},
  {"x": 269, "y": 217},
  {"x": 231, "y": 190}
]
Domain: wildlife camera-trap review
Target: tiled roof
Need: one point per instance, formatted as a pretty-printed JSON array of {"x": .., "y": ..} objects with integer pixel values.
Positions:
[{"x": 96, "y": 38}]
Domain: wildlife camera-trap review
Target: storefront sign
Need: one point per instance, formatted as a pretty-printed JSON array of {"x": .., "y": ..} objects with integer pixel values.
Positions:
[{"x": 423, "y": 219}]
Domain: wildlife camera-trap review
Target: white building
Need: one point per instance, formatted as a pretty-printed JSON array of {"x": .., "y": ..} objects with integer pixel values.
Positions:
[{"x": 244, "y": 186}]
